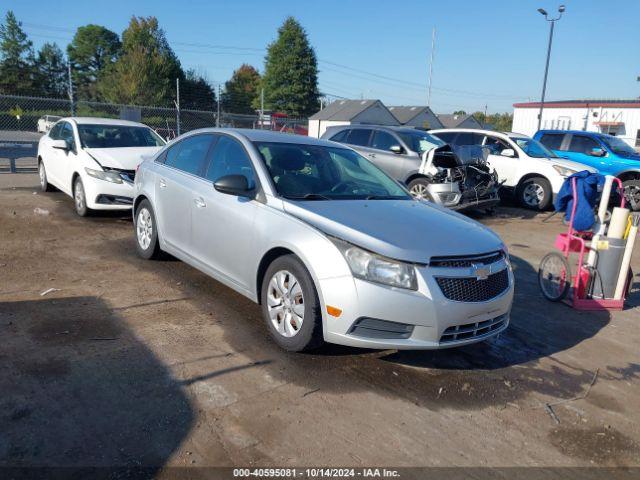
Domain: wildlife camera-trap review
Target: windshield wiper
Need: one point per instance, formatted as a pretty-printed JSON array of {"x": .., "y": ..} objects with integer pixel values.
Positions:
[
  {"x": 308, "y": 196},
  {"x": 383, "y": 197}
]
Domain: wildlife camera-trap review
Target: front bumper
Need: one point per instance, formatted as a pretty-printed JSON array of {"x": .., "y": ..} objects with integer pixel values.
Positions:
[
  {"x": 433, "y": 318},
  {"x": 478, "y": 204},
  {"x": 103, "y": 195}
]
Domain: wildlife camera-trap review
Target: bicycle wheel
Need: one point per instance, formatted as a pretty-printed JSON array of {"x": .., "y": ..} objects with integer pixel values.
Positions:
[{"x": 554, "y": 277}]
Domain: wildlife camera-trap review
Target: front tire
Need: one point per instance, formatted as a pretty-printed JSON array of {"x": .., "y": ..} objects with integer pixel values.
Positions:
[
  {"x": 290, "y": 305},
  {"x": 419, "y": 189},
  {"x": 535, "y": 193},
  {"x": 631, "y": 190},
  {"x": 146, "y": 229},
  {"x": 45, "y": 186},
  {"x": 80, "y": 198}
]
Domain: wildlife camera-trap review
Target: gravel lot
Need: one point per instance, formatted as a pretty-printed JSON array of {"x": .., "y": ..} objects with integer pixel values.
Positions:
[{"x": 131, "y": 362}]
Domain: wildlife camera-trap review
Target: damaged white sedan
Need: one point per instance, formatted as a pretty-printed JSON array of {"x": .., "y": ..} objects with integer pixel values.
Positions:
[{"x": 94, "y": 160}]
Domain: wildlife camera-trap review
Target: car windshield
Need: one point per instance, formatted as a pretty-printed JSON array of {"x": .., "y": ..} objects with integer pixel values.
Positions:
[
  {"x": 533, "y": 148},
  {"x": 117, "y": 136},
  {"x": 314, "y": 172},
  {"x": 618, "y": 146},
  {"x": 420, "y": 142}
]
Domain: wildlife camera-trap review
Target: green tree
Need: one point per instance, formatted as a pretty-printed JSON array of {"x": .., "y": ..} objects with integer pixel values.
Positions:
[
  {"x": 52, "y": 71},
  {"x": 241, "y": 90},
  {"x": 502, "y": 122},
  {"x": 459, "y": 112},
  {"x": 196, "y": 92},
  {"x": 290, "y": 78},
  {"x": 17, "y": 61},
  {"x": 146, "y": 71},
  {"x": 92, "y": 50}
]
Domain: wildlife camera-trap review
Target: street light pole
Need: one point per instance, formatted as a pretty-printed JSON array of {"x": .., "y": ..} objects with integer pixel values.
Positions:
[{"x": 552, "y": 21}]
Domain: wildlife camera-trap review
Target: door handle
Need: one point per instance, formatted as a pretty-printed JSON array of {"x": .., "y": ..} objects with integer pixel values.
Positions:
[
  {"x": 199, "y": 202},
  {"x": 163, "y": 184}
]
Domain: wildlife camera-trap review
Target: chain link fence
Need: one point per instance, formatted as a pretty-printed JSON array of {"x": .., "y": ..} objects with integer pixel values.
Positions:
[{"x": 24, "y": 119}]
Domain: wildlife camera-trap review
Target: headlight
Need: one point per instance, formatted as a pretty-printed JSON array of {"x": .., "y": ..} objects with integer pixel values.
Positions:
[
  {"x": 564, "y": 171},
  {"x": 376, "y": 268},
  {"x": 113, "y": 177}
]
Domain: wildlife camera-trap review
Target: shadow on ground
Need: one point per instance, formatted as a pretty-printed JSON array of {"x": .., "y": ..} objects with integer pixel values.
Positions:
[{"x": 79, "y": 389}]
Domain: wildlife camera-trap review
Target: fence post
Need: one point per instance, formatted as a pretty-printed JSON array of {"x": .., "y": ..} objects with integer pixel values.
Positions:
[
  {"x": 178, "y": 107},
  {"x": 71, "y": 100},
  {"x": 218, "y": 115}
]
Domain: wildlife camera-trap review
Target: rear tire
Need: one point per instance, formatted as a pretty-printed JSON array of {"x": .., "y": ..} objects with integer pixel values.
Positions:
[
  {"x": 631, "y": 190},
  {"x": 45, "y": 186},
  {"x": 554, "y": 277},
  {"x": 287, "y": 291},
  {"x": 418, "y": 188},
  {"x": 146, "y": 231},
  {"x": 535, "y": 193},
  {"x": 80, "y": 198}
]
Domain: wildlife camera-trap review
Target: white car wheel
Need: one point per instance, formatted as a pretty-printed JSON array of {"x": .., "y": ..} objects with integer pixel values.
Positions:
[{"x": 285, "y": 303}]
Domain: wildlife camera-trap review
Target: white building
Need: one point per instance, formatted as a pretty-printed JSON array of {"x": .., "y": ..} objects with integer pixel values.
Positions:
[
  {"x": 349, "y": 112},
  {"x": 615, "y": 117}
]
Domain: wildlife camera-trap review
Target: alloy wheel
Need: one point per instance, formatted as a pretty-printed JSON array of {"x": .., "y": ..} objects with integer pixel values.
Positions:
[
  {"x": 285, "y": 303},
  {"x": 79, "y": 197},
  {"x": 632, "y": 196},
  {"x": 533, "y": 194},
  {"x": 144, "y": 228},
  {"x": 419, "y": 191}
]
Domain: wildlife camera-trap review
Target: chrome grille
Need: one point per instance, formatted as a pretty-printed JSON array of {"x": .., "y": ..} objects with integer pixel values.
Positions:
[
  {"x": 473, "y": 330},
  {"x": 470, "y": 289},
  {"x": 466, "y": 262}
]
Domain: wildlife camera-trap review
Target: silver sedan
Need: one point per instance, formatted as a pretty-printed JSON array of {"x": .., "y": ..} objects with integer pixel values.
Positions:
[{"x": 331, "y": 247}]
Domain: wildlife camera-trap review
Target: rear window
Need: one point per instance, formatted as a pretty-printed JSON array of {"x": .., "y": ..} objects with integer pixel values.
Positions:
[
  {"x": 552, "y": 140},
  {"x": 359, "y": 136},
  {"x": 340, "y": 136}
]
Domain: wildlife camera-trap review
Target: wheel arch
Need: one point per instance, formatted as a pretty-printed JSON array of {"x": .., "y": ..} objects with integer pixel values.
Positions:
[
  {"x": 629, "y": 175},
  {"x": 267, "y": 259},
  {"x": 413, "y": 177},
  {"x": 527, "y": 176},
  {"x": 73, "y": 182},
  {"x": 138, "y": 200}
]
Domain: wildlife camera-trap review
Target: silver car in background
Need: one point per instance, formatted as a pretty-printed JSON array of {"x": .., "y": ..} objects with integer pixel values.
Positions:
[{"x": 331, "y": 247}]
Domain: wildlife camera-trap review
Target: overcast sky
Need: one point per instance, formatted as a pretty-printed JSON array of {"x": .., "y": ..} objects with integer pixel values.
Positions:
[{"x": 488, "y": 52}]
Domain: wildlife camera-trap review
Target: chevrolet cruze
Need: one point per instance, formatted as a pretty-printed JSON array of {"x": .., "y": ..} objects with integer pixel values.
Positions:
[
  {"x": 331, "y": 247},
  {"x": 93, "y": 160}
]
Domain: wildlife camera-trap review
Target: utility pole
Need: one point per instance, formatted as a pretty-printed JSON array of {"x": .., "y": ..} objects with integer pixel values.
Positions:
[
  {"x": 177, "y": 107},
  {"x": 433, "y": 49},
  {"x": 70, "y": 88},
  {"x": 218, "y": 115},
  {"x": 552, "y": 21}
]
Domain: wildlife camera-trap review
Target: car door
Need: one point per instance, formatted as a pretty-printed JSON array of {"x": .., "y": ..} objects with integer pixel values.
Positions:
[
  {"x": 178, "y": 179},
  {"x": 222, "y": 225},
  {"x": 66, "y": 161},
  {"x": 579, "y": 150},
  {"x": 380, "y": 153},
  {"x": 505, "y": 166}
]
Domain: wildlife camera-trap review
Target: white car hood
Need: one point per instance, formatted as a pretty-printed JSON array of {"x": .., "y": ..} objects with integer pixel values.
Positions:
[
  {"x": 122, "y": 158},
  {"x": 563, "y": 162}
]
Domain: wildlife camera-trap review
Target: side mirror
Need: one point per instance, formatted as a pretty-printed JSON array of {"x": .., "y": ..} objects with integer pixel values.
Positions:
[
  {"x": 61, "y": 145},
  {"x": 508, "y": 152},
  {"x": 597, "y": 152},
  {"x": 237, "y": 185},
  {"x": 397, "y": 149}
]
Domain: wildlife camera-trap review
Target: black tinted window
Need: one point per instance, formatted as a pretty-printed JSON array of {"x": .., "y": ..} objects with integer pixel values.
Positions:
[
  {"x": 230, "y": 158},
  {"x": 340, "y": 136},
  {"x": 446, "y": 136},
  {"x": 468, "y": 138},
  {"x": 383, "y": 140},
  {"x": 552, "y": 140},
  {"x": 189, "y": 155},
  {"x": 359, "y": 136},
  {"x": 582, "y": 144},
  {"x": 67, "y": 134},
  {"x": 55, "y": 131}
]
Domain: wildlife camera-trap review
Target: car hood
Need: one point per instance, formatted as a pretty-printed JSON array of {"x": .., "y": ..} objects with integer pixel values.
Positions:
[
  {"x": 122, "y": 158},
  {"x": 407, "y": 230}
]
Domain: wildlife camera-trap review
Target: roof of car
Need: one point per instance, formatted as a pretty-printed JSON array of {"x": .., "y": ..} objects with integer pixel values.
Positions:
[
  {"x": 269, "y": 136},
  {"x": 103, "y": 121},
  {"x": 580, "y": 132}
]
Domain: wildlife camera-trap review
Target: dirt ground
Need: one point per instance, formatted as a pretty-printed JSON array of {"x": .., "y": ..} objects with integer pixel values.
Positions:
[{"x": 131, "y": 362}]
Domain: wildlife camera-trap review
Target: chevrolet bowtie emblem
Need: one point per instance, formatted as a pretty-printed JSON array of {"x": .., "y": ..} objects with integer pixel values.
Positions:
[{"x": 480, "y": 271}]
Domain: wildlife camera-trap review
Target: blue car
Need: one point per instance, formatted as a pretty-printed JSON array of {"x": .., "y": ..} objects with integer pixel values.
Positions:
[{"x": 610, "y": 155}]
